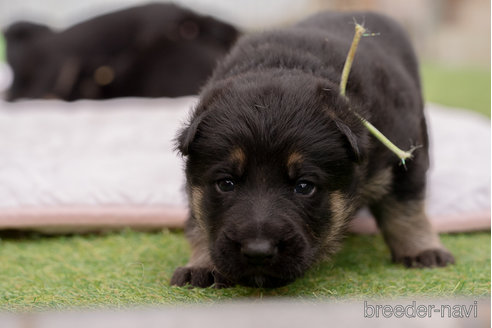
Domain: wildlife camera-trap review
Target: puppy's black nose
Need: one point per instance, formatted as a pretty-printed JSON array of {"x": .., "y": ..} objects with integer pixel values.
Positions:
[{"x": 258, "y": 251}]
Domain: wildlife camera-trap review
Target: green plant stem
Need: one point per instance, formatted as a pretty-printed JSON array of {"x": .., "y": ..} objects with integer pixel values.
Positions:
[
  {"x": 359, "y": 30},
  {"x": 403, "y": 155}
]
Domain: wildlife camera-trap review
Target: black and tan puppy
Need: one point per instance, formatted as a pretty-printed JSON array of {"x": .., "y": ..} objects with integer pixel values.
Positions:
[
  {"x": 153, "y": 50},
  {"x": 277, "y": 163}
]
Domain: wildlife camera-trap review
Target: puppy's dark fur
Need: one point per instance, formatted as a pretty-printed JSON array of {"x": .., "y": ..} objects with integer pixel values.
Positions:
[
  {"x": 147, "y": 51},
  {"x": 277, "y": 163}
]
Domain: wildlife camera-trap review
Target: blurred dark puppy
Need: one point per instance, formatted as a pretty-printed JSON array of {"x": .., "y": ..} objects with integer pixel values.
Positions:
[
  {"x": 277, "y": 163},
  {"x": 148, "y": 51}
]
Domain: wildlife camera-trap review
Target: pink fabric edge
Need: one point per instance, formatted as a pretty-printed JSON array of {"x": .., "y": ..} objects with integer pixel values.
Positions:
[
  {"x": 464, "y": 222},
  {"x": 87, "y": 218}
]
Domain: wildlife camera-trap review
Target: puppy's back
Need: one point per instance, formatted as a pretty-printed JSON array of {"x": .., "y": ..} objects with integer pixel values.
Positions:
[
  {"x": 319, "y": 45},
  {"x": 389, "y": 35}
]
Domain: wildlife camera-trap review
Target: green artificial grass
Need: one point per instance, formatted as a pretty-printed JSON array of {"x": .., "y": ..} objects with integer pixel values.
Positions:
[
  {"x": 464, "y": 87},
  {"x": 128, "y": 268}
]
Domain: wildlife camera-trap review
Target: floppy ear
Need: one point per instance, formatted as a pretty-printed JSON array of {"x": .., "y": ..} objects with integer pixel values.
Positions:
[
  {"x": 352, "y": 139},
  {"x": 345, "y": 120},
  {"x": 24, "y": 31},
  {"x": 187, "y": 135}
]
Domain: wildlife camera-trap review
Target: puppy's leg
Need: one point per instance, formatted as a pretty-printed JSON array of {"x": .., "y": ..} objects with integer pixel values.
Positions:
[
  {"x": 199, "y": 271},
  {"x": 408, "y": 233}
]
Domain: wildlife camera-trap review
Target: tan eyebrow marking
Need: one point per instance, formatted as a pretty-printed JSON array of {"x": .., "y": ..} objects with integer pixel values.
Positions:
[
  {"x": 294, "y": 158},
  {"x": 293, "y": 161},
  {"x": 238, "y": 157}
]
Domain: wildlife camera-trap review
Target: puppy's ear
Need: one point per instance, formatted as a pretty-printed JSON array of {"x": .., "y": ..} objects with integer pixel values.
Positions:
[
  {"x": 187, "y": 135},
  {"x": 352, "y": 139},
  {"x": 25, "y": 31},
  {"x": 338, "y": 109}
]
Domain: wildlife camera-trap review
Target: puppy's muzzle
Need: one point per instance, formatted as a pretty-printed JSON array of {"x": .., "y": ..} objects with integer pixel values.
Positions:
[
  {"x": 258, "y": 251},
  {"x": 273, "y": 252}
]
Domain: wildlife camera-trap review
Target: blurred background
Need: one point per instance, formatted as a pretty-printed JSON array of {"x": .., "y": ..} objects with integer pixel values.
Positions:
[{"x": 452, "y": 37}]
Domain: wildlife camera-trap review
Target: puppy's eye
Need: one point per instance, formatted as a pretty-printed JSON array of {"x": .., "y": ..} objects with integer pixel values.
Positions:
[
  {"x": 225, "y": 185},
  {"x": 304, "y": 188}
]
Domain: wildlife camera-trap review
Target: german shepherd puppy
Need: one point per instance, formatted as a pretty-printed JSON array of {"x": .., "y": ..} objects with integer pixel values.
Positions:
[
  {"x": 277, "y": 163},
  {"x": 153, "y": 50}
]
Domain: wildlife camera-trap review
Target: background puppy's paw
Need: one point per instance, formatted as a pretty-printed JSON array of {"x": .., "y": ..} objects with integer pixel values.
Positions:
[
  {"x": 194, "y": 276},
  {"x": 429, "y": 258}
]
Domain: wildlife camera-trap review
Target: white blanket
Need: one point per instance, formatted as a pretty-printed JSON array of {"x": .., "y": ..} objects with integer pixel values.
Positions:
[{"x": 111, "y": 163}]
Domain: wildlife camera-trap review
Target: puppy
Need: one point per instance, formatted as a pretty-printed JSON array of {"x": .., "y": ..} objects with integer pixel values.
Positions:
[
  {"x": 277, "y": 163},
  {"x": 152, "y": 50}
]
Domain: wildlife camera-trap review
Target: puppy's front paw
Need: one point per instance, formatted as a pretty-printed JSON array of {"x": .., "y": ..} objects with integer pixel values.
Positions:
[
  {"x": 194, "y": 276},
  {"x": 429, "y": 258}
]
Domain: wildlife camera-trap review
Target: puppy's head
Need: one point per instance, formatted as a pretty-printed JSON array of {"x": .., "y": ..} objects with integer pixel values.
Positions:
[{"x": 271, "y": 169}]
